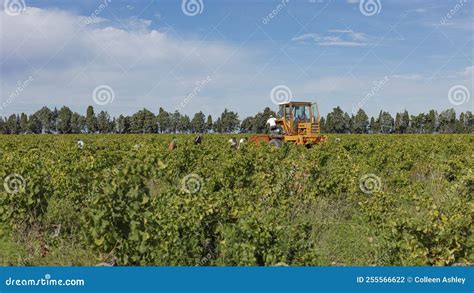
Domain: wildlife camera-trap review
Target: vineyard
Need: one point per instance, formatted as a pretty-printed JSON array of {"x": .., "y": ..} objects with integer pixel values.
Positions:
[{"x": 356, "y": 200}]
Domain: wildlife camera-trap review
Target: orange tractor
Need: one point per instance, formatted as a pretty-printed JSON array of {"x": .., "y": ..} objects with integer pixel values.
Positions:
[{"x": 296, "y": 122}]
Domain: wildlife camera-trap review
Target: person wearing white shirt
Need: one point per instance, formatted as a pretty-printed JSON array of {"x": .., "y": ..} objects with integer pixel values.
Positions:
[{"x": 272, "y": 123}]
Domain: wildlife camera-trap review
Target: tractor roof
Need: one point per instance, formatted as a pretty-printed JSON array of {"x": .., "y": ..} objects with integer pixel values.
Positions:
[{"x": 297, "y": 103}]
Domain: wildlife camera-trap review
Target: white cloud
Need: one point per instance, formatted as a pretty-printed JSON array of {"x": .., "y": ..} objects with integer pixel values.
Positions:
[
  {"x": 306, "y": 37},
  {"x": 412, "y": 76},
  {"x": 338, "y": 37},
  {"x": 138, "y": 24},
  {"x": 340, "y": 31},
  {"x": 336, "y": 41},
  {"x": 144, "y": 66},
  {"x": 35, "y": 36}
]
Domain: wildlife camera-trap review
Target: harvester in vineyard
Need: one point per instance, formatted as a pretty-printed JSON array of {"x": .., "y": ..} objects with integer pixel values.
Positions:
[{"x": 296, "y": 122}]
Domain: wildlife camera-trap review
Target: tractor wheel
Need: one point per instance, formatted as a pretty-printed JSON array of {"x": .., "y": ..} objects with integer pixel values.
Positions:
[{"x": 276, "y": 143}]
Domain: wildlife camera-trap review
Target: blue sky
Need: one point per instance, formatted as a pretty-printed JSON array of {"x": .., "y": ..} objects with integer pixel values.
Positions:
[{"x": 232, "y": 54}]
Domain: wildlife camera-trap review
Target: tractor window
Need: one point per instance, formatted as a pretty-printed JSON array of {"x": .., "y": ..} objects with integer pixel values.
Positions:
[
  {"x": 315, "y": 112},
  {"x": 307, "y": 113},
  {"x": 281, "y": 111},
  {"x": 287, "y": 113},
  {"x": 302, "y": 113}
]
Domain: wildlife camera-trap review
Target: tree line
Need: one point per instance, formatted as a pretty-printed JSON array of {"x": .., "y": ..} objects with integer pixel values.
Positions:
[
  {"x": 66, "y": 121},
  {"x": 432, "y": 122}
]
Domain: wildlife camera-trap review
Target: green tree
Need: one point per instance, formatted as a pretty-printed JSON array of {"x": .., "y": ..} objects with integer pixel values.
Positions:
[
  {"x": 198, "y": 123},
  {"x": 34, "y": 124},
  {"x": 375, "y": 124},
  {"x": 337, "y": 121},
  {"x": 322, "y": 123},
  {"x": 209, "y": 123},
  {"x": 247, "y": 125},
  {"x": 122, "y": 124},
  {"x": 175, "y": 119},
  {"x": 229, "y": 121},
  {"x": 54, "y": 120},
  {"x": 351, "y": 123},
  {"x": 431, "y": 122},
  {"x": 402, "y": 122},
  {"x": 78, "y": 123},
  {"x": 164, "y": 121},
  {"x": 461, "y": 124},
  {"x": 385, "y": 122},
  {"x": 447, "y": 121},
  {"x": 144, "y": 121},
  {"x": 46, "y": 117},
  {"x": 361, "y": 122},
  {"x": 113, "y": 126},
  {"x": 3, "y": 126},
  {"x": 137, "y": 122},
  {"x": 64, "y": 120},
  {"x": 184, "y": 125},
  {"x": 91, "y": 120},
  {"x": 24, "y": 123},
  {"x": 103, "y": 122},
  {"x": 150, "y": 122},
  {"x": 217, "y": 126},
  {"x": 469, "y": 122},
  {"x": 418, "y": 123},
  {"x": 12, "y": 124}
]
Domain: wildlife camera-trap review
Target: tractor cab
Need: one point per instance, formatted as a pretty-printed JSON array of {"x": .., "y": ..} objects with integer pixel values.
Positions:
[{"x": 299, "y": 118}]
